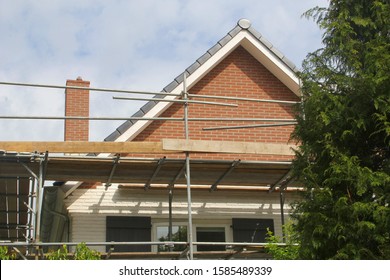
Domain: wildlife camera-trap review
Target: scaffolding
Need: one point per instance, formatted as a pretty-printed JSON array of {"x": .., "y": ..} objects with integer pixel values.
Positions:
[{"x": 37, "y": 167}]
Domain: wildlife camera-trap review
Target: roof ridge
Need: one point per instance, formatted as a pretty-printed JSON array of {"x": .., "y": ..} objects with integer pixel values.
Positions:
[{"x": 242, "y": 24}]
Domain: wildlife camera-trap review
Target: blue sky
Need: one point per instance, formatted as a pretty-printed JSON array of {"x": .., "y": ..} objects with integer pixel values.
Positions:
[{"x": 141, "y": 45}]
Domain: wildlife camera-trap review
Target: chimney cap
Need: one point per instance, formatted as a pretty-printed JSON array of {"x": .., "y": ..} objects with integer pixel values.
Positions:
[{"x": 79, "y": 78}]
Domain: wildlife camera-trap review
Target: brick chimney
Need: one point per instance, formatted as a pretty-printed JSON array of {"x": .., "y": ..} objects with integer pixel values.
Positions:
[{"x": 76, "y": 104}]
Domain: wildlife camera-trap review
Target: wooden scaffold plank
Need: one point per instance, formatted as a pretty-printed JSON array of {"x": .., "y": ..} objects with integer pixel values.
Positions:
[
  {"x": 166, "y": 146},
  {"x": 84, "y": 147},
  {"x": 227, "y": 147}
]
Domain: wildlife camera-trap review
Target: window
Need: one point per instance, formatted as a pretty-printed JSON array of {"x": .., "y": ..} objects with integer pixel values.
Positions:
[
  {"x": 251, "y": 230},
  {"x": 210, "y": 234},
  {"x": 179, "y": 233},
  {"x": 131, "y": 229}
]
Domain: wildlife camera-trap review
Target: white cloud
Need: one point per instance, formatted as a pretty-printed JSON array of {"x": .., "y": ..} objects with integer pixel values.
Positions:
[{"x": 125, "y": 45}]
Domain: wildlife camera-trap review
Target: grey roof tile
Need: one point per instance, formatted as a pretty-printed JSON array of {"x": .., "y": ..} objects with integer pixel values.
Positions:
[
  {"x": 266, "y": 42},
  {"x": 171, "y": 86},
  {"x": 193, "y": 67},
  {"x": 204, "y": 58},
  {"x": 255, "y": 33},
  {"x": 148, "y": 106},
  {"x": 289, "y": 63},
  {"x": 179, "y": 78},
  {"x": 214, "y": 49},
  {"x": 235, "y": 31},
  {"x": 113, "y": 136},
  {"x": 138, "y": 114},
  {"x": 277, "y": 52},
  {"x": 124, "y": 126},
  {"x": 274, "y": 50},
  {"x": 225, "y": 40}
]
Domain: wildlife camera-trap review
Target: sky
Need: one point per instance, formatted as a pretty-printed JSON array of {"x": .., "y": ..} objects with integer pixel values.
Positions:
[{"x": 122, "y": 44}]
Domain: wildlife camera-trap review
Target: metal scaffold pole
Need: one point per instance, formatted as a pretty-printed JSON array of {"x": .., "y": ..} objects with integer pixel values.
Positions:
[
  {"x": 188, "y": 175},
  {"x": 30, "y": 235},
  {"x": 38, "y": 204}
]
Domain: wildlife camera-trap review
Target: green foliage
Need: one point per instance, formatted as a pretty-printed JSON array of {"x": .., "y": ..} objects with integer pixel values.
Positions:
[
  {"x": 344, "y": 135},
  {"x": 60, "y": 254},
  {"x": 82, "y": 253},
  {"x": 288, "y": 252},
  {"x": 5, "y": 254}
]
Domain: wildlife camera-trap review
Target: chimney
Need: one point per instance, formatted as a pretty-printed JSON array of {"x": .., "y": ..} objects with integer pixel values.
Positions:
[{"x": 76, "y": 104}]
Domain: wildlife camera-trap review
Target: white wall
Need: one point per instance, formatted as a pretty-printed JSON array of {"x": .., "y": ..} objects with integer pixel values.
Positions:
[{"x": 88, "y": 208}]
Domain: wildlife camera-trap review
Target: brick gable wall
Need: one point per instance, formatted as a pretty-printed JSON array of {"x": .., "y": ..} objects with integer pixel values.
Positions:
[{"x": 238, "y": 75}]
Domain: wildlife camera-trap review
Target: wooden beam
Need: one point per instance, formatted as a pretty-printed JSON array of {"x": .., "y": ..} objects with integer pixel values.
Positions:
[
  {"x": 81, "y": 147},
  {"x": 227, "y": 147},
  {"x": 167, "y": 146}
]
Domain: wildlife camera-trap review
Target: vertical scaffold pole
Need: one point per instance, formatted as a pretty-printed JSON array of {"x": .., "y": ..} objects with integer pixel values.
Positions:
[
  {"x": 38, "y": 203},
  {"x": 282, "y": 198},
  {"x": 188, "y": 175},
  {"x": 30, "y": 222},
  {"x": 170, "y": 225}
]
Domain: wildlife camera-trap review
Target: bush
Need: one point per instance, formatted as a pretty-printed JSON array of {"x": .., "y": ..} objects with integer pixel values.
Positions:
[
  {"x": 290, "y": 251},
  {"x": 82, "y": 253},
  {"x": 60, "y": 254},
  {"x": 5, "y": 254}
]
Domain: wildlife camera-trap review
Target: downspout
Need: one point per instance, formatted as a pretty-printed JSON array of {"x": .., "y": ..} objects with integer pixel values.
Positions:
[{"x": 66, "y": 220}]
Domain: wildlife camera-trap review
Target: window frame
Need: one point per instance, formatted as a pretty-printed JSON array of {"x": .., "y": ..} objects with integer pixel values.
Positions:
[
  {"x": 163, "y": 224},
  {"x": 213, "y": 224}
]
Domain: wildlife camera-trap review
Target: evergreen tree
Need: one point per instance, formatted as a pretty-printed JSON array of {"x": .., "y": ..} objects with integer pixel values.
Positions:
[{"x": 343, "y": 131}]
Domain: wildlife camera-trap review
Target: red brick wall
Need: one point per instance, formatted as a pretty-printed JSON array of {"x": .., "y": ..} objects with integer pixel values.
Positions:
[
  {"x": 77, "y": 104},
  {"x": 238, "y": 75}
]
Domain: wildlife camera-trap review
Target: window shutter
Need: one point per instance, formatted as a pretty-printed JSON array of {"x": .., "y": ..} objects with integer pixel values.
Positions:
[
  {"x": 129, "y": 229},
  {"x": 251, "y": 230}
]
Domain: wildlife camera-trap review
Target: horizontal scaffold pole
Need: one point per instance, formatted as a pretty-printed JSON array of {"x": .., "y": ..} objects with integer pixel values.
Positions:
[
  {"x": 88, "y": 88},
  {"x": 249, "y": 126},
  {"x": 167, "y": 243},
  {"x": 148, "y": 92},
  {"x": 143, "y": 119},
  {"x": 243, "y": 99},
  {"x": 90, "y": 118},
  {"x": 177, "y": 101}
]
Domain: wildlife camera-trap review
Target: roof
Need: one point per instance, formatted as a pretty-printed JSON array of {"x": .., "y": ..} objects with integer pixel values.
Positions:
[{"x": 249, "y": 38}]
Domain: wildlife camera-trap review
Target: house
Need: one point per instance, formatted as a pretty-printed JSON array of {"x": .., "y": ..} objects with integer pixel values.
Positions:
[{"x": 235, "y": 190}]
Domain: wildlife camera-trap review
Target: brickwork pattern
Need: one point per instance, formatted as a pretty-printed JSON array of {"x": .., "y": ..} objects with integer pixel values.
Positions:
[{"x": 77, "y": 104}]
